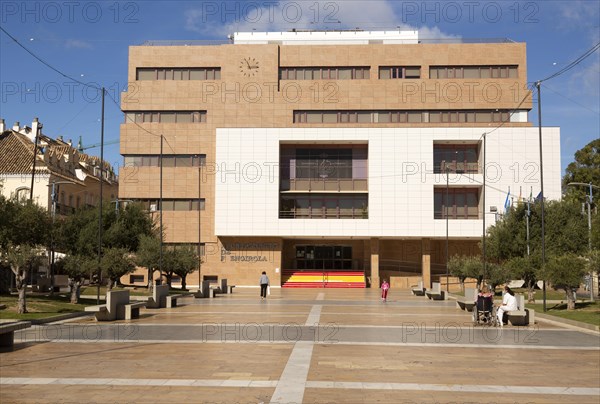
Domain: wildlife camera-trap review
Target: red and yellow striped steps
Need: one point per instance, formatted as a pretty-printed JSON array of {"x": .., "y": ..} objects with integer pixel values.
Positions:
[{"x": 328, "y": 279}]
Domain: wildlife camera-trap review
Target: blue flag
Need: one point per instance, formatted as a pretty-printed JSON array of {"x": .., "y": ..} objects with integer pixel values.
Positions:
[{"x": 507, "y": 202}]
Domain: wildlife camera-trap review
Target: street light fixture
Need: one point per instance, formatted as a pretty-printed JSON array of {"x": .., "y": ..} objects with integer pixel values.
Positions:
[
  {"x": 589, "y": 201},
  {"x": 117, "y": 201}
]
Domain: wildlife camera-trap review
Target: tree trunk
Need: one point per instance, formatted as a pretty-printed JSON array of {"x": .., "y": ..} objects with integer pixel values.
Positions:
[
  {"x": 183, "y": 283},
  {"x": 75, "y": 288},
  {"x": 150, "y": 281},
  {"x": 21, "y": 283},
  {"x": 109, "y": 284},
  {"x": 570, "y": 299},
  {"x": 530, "y": 292}
]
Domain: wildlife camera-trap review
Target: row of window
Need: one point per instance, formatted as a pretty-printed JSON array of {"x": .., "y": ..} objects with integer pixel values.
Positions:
[
  {"x": 153, "y": 160},
  {"x": 165, "y": 116},
  {"x": 397, "y": 72},
  {"x": 184, "y": 73},
  {"x": 153, "y": 205},
  {"x": 455, "y": 203},
  {"x": 401, "y": 116},
  {"x": 324, "y": 73},
  {"x": 337, "y": 72},
  {"x": 473, "y": 72}
]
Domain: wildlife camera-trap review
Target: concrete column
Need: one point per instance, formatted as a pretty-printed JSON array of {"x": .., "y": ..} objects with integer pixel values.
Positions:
[
  {"x": 374, "y": 263},
  {"x": 426, "y": 262}
]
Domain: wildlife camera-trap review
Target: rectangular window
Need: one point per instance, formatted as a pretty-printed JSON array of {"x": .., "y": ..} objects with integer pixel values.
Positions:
[
  {"x": 399, "y": 72},
  {"x": 137, "y": 278},
  {"x": 412, "y": 72},
  {"x": 456, "y": 203},
  {"x": 146, "y": 74},
  {"x": 456, "y": 158}
]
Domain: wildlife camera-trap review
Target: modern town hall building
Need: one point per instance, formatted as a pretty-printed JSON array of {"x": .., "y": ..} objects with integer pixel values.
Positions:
[{"x": 330, "y": 159}]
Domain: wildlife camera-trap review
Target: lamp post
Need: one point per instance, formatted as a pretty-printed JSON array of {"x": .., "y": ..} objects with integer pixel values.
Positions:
[
  {"x": 538, "y": 84},
  {"x": 589, "y": 201},
  {"x": 446, "y": 213},
  {"x": 53, "y": 197},
  {"x": 483, "y": 192},
  {"x": 447, "y": 199}
]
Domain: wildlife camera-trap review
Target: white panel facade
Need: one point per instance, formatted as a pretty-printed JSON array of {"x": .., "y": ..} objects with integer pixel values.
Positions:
[{"x": 401, "y": 179}]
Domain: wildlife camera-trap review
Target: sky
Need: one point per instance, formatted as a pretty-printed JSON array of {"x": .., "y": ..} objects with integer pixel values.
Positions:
[{"x": 88, "y": 42}]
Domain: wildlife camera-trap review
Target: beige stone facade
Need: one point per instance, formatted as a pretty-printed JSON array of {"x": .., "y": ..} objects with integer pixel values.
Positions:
[{"x": 258, "y": 98}]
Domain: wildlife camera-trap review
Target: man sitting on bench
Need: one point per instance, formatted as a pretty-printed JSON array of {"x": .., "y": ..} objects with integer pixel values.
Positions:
[{"x": 509, "y": 303}]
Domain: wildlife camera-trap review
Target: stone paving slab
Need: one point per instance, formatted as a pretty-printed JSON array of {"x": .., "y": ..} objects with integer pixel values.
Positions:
[
  {"x": 133, "y": 394},
  {"x": 447, "y": 365},
  {"x": 364, "y": 396},
  {"x": 147, "y": 361},
  {"x": 326, "y": 346}
]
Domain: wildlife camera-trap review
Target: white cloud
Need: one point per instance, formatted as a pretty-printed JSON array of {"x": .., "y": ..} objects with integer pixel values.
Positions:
[
  {"x": 586, "y": 81},
  {"x": 581, "y": 15},
  {"x": 221, "y": 19},
  {"x": 77, "y": 44}
]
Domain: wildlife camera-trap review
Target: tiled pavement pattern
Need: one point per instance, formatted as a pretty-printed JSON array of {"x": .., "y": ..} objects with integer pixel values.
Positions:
[{"x": 311, "y": 346}]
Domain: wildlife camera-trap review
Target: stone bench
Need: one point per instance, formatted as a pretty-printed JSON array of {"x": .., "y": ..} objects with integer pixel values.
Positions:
[
  {"x": 7, "y": 332},
  {"x": 468, "y": 301},
  {"x": 522, "y": 316},
  {"x": 171, "y": 300},
  {"x": 418, "y": 290},
  {"x": 114, "y": 309},
  {"x": 436, "y": 292},
  {"x": 214, "y": 291},
  {"x": 159, "y": 297},
  {"x": 132, "y": 310}
]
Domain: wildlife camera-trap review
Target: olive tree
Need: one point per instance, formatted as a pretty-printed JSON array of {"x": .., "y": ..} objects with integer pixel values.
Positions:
[
  {"x": 565, "y": 272},
  {"x": 24, "y": 232}
]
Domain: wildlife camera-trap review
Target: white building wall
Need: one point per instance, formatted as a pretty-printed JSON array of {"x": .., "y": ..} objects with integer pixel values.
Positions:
[
  {"x": 326, "y": 37},
  {"x": 13, "y": 182},
  {"x": 401, "y": 179}
]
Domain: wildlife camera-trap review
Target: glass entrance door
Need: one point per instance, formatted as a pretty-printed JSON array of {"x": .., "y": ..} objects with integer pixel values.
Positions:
[{"x": 324, "y": 258}]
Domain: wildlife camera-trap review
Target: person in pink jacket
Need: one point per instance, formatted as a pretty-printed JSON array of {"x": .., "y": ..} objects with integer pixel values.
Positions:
[{"x": 385, "y": 286}]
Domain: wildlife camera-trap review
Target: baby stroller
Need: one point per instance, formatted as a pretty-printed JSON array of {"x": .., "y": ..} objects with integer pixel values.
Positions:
[{"x": 484, "y": 311}]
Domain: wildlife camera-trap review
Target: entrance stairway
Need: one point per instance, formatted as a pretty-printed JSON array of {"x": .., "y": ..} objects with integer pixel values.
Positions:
[{"x": 291, "y": 278}]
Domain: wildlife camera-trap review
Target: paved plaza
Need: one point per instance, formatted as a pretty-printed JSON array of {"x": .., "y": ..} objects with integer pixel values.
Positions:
[{"x": 302, "y": 346}]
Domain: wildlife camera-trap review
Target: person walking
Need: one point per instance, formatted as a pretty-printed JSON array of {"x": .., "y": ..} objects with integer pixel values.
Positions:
[
  {"x": 385, "y": 286},
  {"x": 264, "y": 283}
]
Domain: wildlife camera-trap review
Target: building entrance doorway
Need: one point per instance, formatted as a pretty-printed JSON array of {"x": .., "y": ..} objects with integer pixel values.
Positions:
[{"x": 324, "y": 258}]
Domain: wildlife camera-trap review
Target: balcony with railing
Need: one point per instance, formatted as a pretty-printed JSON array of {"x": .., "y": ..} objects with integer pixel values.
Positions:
[
  {"x": 325, "y": 185},
  {"x": 324, "y": 206},
  {"x": 456, "y": 158}
]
